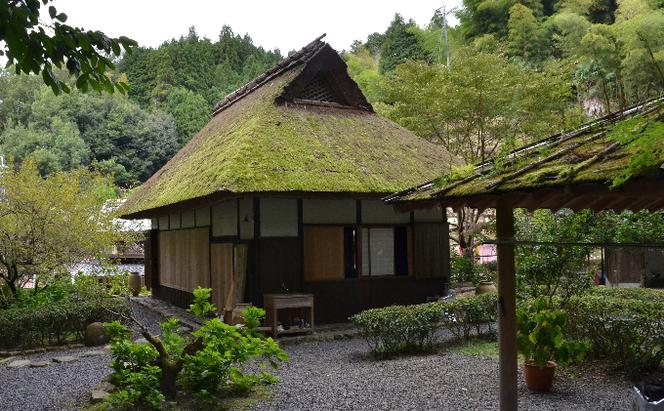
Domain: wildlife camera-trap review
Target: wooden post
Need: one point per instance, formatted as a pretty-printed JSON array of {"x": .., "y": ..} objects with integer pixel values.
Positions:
[{"x": 506, "y": 309}]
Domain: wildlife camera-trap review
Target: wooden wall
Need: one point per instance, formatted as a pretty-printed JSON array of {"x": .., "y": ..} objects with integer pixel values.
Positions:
[
  {"x": 431, "y": 247},
  {"x": 184, "y": 258},
  {"x": 335, "y": 301}
]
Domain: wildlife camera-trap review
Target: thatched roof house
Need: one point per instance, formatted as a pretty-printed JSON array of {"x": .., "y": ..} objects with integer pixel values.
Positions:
[{"x": 285, "y": 181}]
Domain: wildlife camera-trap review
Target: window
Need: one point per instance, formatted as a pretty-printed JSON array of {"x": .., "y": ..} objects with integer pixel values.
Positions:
[{"x": 384, "y": 251}]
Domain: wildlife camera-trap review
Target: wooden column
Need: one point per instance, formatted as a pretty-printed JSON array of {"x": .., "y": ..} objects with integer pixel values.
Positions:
[{"x": 507, "y": 309}]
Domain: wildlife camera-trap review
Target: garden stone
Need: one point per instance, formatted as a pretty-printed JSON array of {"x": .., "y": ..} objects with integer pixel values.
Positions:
[
  {"x": 95, "y": 334},
  {"x": 97, "y": 396},
  {"x": 64, "y": 358},
  {"x": 92, "y": 353},
  {"x": 6, "y": 360},
  {"x": 40, "y": 364},
  {"x": 141, "y": 341},
  {"x": 18, "y": 364}
]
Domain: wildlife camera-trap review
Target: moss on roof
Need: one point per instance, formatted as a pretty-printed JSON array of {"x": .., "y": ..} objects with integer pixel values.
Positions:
[
  {"x": 255, "y": 145},
  {"x": 608, "y": 151}
]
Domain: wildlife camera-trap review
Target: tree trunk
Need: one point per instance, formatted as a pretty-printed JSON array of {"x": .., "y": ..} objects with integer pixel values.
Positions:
[{"x": 169, "y": 374}]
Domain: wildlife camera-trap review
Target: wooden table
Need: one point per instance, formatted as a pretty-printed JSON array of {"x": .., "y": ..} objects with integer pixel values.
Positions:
[{"x": 302, "y": 302}]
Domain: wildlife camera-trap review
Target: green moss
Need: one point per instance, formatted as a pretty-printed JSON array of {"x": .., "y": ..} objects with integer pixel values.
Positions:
[
  {"x": 641, "y": 151},
  {"x": 257, "y": 146}
]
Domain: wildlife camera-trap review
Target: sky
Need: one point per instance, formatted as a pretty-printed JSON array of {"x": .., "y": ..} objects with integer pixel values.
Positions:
[{"x": 286, "y": 24}]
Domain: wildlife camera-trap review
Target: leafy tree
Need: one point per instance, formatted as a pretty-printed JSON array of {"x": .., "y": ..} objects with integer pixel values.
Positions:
[
  {"x": 58, "y": 148},
  {"x": 604, "y": 46},
  {"x": 399, "y": 44},
  {"x": 190, "y": 111},
  {"x": 526, "y": 38},
  {"x": 48, "y": 224},
  {"x": 33, "y": 46}
]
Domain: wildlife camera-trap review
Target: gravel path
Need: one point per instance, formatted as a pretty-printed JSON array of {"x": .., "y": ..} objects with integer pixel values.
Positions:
[
  {"x": 333, "y": 375},
  {"x": 60, "y": 386},
  {"x": 337, "y": 375}
]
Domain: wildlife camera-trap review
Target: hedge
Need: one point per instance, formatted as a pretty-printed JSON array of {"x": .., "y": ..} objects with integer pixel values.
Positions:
[
  {"x": 57, "y": 323},
  {"x": 624, "y": 326},
  {"x": 415, "y": 328}
]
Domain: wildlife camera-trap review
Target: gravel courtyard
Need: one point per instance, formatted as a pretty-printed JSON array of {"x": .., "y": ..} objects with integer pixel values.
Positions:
[
  {"x": 337, "y": 375},
  {"x": 334, "y": 375}
]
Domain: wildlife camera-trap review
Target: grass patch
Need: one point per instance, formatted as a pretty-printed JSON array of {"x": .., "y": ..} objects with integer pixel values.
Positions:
[{"x": 477, "y": 348}]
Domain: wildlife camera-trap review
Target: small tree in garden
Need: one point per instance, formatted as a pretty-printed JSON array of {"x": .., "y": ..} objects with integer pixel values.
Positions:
[
  {"x": 49, "y": 223},
  {"x": 205, "y": 364}
]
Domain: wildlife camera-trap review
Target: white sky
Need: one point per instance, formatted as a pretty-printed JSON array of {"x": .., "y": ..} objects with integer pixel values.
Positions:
[{"x": 285, "y": 24}]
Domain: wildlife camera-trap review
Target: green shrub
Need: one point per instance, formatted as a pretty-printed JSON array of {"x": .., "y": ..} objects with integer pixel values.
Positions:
[
  {"x": 56, "y": 323},
  {"x": 412, "y": 328},
  {"x": 206, "y": 364},
  {"x": 625, "y": 326},
  {"x": 399, "y": 328},
  {"x": 540, "y": 335},
  {"x": 465, "y": 317},
  {"x": 202, "y": 307}
]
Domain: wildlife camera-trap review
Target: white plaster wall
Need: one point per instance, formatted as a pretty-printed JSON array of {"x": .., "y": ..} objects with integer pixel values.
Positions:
[
  {"x": 224, "y": 219},
  {"x": 329, "y": 211},
  {"x": 377, "y": 212},
  {"x": 188, "y": 219},
  {"x": 246, "y": 218},
  {"x": 429, "y": 215},
  {"x": 278, "y": 217},
  {"x": 163, "y": 222},
  {"x": 202, "y": 216},
  {"x": 174, "y": 221}
]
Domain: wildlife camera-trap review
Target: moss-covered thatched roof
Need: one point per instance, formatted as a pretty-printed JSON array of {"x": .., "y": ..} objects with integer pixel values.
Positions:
[
  {"x": 608, "y": 151},
  {"x": 254, "y": 144}
]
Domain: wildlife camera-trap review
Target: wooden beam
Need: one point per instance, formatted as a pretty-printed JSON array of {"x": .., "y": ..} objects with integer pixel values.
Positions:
[{"x": 507, "y": 308}]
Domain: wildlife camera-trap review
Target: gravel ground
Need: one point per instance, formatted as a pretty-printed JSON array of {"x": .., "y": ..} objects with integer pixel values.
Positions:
[
  {"x": 333, "y": 375},
  {"x": 60, "y": 386},
  {"x": 337, "y": 375}
]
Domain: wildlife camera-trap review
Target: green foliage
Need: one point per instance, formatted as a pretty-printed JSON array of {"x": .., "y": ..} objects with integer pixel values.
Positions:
[
  {"x": 556, "y": 269},
  {"x": 484, "y": 102},
  {"x": 49, "y": 224},
  {"x": 107, "y": 133},
  {"x": 644, "y": 137},
  {"x": 190, "y": 111},
  {"x": 32, "y": 46},
  {"x": 540, "y": 335},
  {"x": 202, "y": 307},
  {"x": 399, "y": 44},
  {"x": 208, "y": 69},
  {"x": 624, "y": 326},
  {"x": 464, "y": 269},
  {"x": 57, "y": 321},
  {"x": 401, "y": 329},
  {"x": 207, "y": 364}
]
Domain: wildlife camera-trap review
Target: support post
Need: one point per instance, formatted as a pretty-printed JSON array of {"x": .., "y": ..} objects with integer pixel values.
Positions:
[{"x": 507, "y": 309}]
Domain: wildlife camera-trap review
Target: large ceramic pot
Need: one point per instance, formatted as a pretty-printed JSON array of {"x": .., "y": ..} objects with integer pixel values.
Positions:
[
  {"x": 539, "y": 378},
  {"x": 486, "y": 287},
  {"x": 135, "y": 283}
]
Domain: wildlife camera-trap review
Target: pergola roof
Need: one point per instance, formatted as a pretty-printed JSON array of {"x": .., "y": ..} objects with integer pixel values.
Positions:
[{"x": 574, "y": 170}]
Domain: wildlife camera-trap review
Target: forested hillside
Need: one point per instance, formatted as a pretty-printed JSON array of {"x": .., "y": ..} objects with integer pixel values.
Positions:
[
  {"x": 519, "y": 71},
  {"x": 173, "y": 90}
]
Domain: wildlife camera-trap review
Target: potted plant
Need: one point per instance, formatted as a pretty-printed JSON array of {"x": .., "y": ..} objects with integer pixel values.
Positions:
[{"x": 540, "y": 340}]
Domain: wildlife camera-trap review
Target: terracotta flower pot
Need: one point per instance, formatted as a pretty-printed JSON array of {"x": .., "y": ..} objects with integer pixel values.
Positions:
[{"x": 539, "y": 378}]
